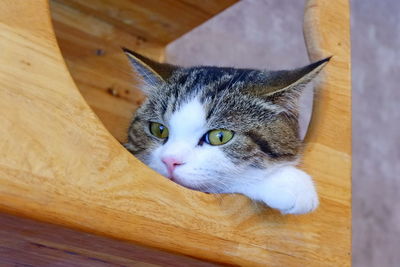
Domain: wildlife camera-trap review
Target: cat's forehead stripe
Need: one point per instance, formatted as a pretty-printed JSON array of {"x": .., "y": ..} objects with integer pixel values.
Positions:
[
  {"x": 208, "y": 84},
  {"x": 218, "y": 90}
]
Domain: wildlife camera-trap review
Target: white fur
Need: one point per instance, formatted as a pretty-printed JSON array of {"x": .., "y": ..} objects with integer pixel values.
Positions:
[
  {"x": 287, "y": 189},
  {"x": 206, "y": 168}
]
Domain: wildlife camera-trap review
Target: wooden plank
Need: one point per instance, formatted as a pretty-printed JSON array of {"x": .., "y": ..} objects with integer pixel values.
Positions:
[
  {"x": 59, "y": 164},
  {"x": 91, "y": 33},
  {"x": 211, "y": 7},
  {"x": 328, "y": 153},
  {"x": 154, "y": 20},
  {"x": 30, "y": 243},
  {"x": 92, "y": 50}
]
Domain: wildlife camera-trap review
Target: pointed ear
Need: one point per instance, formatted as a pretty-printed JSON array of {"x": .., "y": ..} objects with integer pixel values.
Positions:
[
  {"x": 290, "y": 80},
  {"x": 153, "y": 73}
]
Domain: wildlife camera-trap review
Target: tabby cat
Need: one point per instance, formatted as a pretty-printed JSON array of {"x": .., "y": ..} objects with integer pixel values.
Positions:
[{"x": 225, "y": 130}]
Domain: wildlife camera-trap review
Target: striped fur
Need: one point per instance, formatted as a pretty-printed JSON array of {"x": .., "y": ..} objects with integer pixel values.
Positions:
[{"x": 259, "y": 106}]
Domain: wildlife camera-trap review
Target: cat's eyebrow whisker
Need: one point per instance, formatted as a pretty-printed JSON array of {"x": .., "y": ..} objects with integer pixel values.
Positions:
[
  {"x": 231, "y": 81},
  {"x": 237, "y": 80}
]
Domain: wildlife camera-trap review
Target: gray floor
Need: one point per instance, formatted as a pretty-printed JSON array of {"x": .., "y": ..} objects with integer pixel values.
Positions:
[{"x": 268, "y": 34}]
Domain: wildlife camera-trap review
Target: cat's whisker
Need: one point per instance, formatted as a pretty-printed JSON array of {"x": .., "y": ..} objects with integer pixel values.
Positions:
[
  {"x": 238, "y": 80},
  {"x": 231, "y": 80}
]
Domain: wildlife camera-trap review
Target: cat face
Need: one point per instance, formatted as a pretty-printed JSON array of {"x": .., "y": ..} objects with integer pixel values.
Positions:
[{"x": 209, "y": 128}]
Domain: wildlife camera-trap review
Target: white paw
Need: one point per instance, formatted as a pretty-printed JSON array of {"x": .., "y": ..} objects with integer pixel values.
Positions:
[
  {"x": 295, "y": 185},
  {"x": 305, "y": 202},
  {"x": 289, "y": 190}
]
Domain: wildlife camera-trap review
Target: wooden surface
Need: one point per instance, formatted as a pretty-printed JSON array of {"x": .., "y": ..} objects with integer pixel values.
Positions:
[
  {"x": 25, "y": 242},
  {"x": 160, "y": 21},
  {"x": 91, "y": 33},
  {"x": 91, "y": 48},
  {"x": 59, "y": 164}
]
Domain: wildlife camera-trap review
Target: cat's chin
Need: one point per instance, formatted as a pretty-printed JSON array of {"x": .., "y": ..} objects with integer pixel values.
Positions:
[
  {"x": 175, "y": 180},
  {"x": 191, "y": 187}
]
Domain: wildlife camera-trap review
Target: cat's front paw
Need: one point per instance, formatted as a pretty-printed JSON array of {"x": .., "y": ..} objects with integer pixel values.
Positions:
[
  {"x": 289, "y": 190},
  {"x": 297, "y": 186},
  {"x": 304, "y": 202}
]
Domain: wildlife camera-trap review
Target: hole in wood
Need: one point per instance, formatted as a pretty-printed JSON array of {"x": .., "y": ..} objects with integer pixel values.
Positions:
[
  {"x": 90, "y": 40},
  {"x": 91, "y": 34}
]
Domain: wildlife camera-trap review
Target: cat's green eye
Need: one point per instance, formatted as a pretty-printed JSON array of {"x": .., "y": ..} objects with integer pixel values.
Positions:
[
  {"x": 218, "y": 137},
  {"x": 158, "y": 130}
]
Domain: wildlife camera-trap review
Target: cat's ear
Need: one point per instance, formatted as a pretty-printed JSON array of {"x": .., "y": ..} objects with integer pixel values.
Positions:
[
  {"x": 290, "y": 80},
  {"x": 153, "y": 73}
]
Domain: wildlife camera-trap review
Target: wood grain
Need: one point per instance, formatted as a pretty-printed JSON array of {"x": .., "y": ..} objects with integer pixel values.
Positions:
[
  {"x": 159, "y": 21},
  {"x": 92, "y": 50},
  {"x": 91, "y": 33},
  {"x": 59, "y": 164},
  {"x": 26, "y": 242}
]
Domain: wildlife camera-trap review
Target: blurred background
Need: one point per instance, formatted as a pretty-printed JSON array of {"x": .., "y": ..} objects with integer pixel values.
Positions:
[{"x": 268, "y": 34}]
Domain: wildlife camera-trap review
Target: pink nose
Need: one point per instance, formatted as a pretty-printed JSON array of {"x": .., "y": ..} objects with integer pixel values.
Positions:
[{"x": 171, "y": 164}]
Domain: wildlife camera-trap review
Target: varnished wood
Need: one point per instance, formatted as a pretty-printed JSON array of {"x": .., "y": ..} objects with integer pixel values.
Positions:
[
  {"x": 25, "y": 242},
  {"x": 91, "y": 33},
  {"x": 60, "y": 165},
  {"x": 91, "y": 48},
  {"x": 159, "y": 21}
]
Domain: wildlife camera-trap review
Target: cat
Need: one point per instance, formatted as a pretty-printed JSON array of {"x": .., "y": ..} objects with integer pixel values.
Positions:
[{"x": 225, "y": 130}]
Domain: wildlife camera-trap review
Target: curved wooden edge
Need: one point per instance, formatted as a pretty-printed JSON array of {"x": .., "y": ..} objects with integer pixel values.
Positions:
[
  {"x": 328, "y": 139},
  {"x": 59, "y": 164}
]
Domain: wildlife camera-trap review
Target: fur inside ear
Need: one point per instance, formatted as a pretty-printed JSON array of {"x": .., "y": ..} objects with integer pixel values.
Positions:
[
  {"x": 287, "y": 80},
  {"x": 153, "y": 73},
  {"x": 285, "y": 87}
]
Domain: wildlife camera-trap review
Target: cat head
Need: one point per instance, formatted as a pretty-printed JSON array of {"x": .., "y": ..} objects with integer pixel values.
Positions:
[{"x": 210, "y": 128}]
